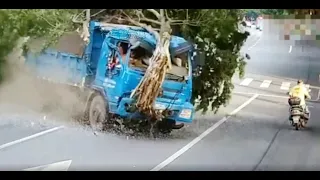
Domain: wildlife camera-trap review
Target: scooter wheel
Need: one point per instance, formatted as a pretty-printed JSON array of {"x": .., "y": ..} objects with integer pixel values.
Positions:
[
  {"x": 296, "y": 126},
  {"x": 291, "y": 123}
]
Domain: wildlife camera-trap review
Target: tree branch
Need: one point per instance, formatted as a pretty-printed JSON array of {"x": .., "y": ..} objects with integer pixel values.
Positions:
[
  {"x": 85, "y": 25},
  {"x": 98, "y": 12},
  {"x": 169, "y": 19},
  {"x": 75, "y": 18},
  {"x": 195, "y": 22},
  {"x": 154, "y": 12},
  {"x": 177, "y": 21},
  {"x": 88, "y": 15},
  {"x": 148, "y": 28},
  {"x": 46, "y": 21},
  {"x": 187, "y": 15},
  {"x": 143, "y": 18},
  {"x": 186, "y": 23}
]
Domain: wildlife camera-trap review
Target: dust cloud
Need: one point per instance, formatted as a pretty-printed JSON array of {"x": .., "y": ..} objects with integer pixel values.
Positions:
[
  {"x": 23, "y": 92},
  {"x": 22, "y": 95}
]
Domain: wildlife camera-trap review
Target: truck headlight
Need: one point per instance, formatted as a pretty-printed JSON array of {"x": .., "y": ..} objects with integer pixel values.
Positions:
[{"x": 185, "y": 113}]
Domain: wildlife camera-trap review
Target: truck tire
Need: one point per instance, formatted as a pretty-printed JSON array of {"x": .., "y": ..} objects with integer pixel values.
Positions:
[
  {"x": 165, "y": 126},
  {"x": 98, "y": 113}
]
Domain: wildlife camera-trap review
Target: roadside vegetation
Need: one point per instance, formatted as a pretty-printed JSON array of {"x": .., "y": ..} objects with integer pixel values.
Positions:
[{"x": 215, "y": 31}]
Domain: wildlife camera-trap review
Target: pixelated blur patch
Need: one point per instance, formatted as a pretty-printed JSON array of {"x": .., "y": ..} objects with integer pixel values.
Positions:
[
  {"x": 295, "y": 27},
  {"x": 286, "y": 37}
]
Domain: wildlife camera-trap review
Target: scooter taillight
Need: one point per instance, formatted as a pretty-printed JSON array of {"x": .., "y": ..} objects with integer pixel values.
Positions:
[{"x": 295, "y": 112}]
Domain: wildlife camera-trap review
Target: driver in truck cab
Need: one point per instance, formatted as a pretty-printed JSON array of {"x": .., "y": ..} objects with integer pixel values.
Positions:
[
  {"x": 300, "y": 91},
  {"x": 123, "y": 48}
]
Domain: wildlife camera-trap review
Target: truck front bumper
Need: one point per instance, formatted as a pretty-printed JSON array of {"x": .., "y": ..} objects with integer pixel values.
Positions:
[{"x": 180, "y": 113}]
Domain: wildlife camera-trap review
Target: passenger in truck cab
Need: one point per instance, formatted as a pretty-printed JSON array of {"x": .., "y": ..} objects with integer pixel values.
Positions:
[
  {"x": 123, "y": 49},
  {"x": 139, "y": 57},
  {"x": 180, "y": 60},
  {"x": 177, "y": 61},
  {"x": 180, "y": 64}
]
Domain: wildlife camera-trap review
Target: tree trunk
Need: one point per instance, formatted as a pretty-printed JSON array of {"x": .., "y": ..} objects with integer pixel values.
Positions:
[
  {"x": 85, "y": 34},
  {"x": 150, "y": 85}
]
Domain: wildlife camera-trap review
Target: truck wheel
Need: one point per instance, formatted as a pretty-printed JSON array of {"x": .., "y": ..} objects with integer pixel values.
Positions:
[
  {"x": 165, "y": 126},
  {"x": 98, "y": 113}
]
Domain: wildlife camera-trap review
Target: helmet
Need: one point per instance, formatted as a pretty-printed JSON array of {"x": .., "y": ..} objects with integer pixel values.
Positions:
[{"x": 299, "y": 81}]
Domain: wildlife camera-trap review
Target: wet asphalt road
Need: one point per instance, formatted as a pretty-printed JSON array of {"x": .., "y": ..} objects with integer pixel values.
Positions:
[
  {"x": 89, "y": 151},
  {"x": 256, "y": 137}
]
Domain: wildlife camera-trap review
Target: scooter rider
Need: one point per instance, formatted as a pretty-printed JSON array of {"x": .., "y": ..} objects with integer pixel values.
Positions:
[{"x": 300, "y": 91}]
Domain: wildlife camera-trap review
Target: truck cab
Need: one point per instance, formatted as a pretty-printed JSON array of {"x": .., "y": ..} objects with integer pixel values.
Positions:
[{"x": 112, "y": 65}]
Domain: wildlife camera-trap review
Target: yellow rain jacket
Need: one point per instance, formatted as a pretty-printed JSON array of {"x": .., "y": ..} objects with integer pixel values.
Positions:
[{"x": 300, "y": 91}]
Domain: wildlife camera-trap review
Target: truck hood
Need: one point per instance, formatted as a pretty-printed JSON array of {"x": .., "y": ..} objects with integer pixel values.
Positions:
[{"x": 173, "y": 92}]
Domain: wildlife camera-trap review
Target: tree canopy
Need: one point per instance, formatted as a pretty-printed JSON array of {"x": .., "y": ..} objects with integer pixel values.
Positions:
[
  {"x": 252, "y": 13},
  {"x": 276, "y": 12},
  {"x": 34, "y": 23},
  {"x": 214, "y": 31}
]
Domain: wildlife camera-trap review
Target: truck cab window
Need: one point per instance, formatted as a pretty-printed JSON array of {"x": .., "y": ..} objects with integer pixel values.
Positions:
[
  {"x": 180, "y": 65},
  {"x": 139, "y": 58},
  {"x": 123, "y": 49},
  {"x": 181, "y": 60},
  {"x": 119, "y": 54}
]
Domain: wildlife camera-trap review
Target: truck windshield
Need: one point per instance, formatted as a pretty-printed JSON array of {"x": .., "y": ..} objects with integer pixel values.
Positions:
[{"x": 139, "y": 60}]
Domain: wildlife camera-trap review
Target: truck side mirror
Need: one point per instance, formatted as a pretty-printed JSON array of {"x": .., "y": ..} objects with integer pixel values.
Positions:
[
  {"x": 248, "y": 57},
  {"x": 135, "y": 45},
  {"x": 199, "y": 59}
]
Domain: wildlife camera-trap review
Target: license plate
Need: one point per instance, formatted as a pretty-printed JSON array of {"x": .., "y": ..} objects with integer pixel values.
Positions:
[
  {"x": 296, "y": 112},
  {"x": 296, "y": 119}
]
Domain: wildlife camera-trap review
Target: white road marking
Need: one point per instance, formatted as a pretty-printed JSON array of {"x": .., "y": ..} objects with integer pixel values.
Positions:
[
  {"x": 266, "y": 95},
  {"x": 254, "y": 44},
  {"x": 199, "y": 138},
  {"x": 3, "y": 146},
  {"x": 58, "y": 166},
  {"x": 279, "y": 77},
  {"x": 270, "y": 95},
  {"x": 290, "y": 48},
  {"x": 246, "y": 82},
  {"x": 285, "y": 85},
  {"x": 265, "y": 83}
]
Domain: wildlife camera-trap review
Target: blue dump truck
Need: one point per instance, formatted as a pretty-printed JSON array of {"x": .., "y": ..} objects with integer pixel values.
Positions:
[{"x": 110, "y": 67}]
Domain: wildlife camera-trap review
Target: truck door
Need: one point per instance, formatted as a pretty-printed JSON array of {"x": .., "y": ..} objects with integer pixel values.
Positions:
[{"x": 115, "y": 70}]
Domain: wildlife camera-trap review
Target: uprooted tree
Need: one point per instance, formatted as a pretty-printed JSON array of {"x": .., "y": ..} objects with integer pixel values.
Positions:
[
  {"x": 214, "y": 31},
  {"x": 150, "y": 85}
]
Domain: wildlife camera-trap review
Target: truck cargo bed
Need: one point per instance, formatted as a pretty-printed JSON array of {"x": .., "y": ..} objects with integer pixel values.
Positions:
[
  {"x": 58, "y": 67},
  {"x": 62, "y": 63}
]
